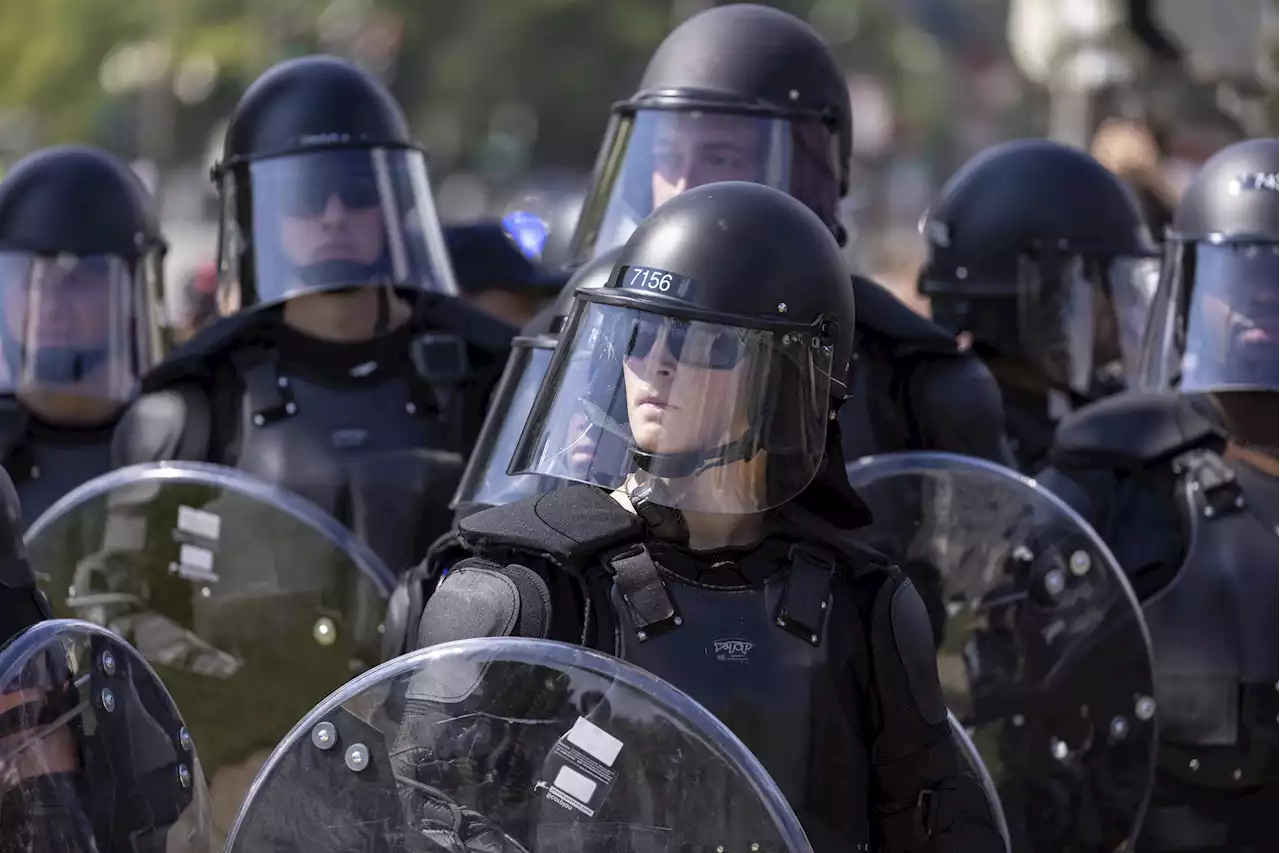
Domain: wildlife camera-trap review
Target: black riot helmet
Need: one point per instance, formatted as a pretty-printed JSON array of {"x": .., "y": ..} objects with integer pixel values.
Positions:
[
  {"x": 1042, "y": 256},
  {"x": 485, "y": 482},
  {"x": 81, "y": 272},
  {"x": 717, "y": 351},
  {"x": 1213, "y": 327},
  {"x": 742, "y": 92},
  {"x": 322, "y": 189}
]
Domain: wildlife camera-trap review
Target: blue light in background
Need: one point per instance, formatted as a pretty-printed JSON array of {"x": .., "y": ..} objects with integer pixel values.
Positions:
[{"x": 528, "y": 231}]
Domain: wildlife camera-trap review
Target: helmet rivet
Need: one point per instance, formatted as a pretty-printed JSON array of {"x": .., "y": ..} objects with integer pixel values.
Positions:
[
  {"x": 793, "y": 95},
  {"x": 782, "y": 307},
  {"x": 962, "y": 273}
]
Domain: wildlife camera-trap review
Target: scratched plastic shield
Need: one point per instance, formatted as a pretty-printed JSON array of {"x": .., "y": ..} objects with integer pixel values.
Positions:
[
  {"x": 1043, "y": 651},
  {"x": 513, "y": 745},
  {"x": 229, "y": 588}
]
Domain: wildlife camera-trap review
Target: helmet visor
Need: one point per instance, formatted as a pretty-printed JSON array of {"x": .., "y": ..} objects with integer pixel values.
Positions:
[
  {"x": 331, "y": 219},
  {"x": 78, "y": 332},
  {"x": 652, "y": 155},
  {"x": 486, "y": 481},
  {"x": 1230, "y": 309},
  {"x": 704, "y": 416},
  {"x": 1080, "y": 319}
]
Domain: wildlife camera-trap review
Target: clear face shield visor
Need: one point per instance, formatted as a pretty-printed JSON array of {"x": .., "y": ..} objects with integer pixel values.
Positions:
[
  {"x": 1081, "y": 319},
  {"x": 652, "y": 155},
  {"x": 1230, "y": 307},
  {"x": 78, "y": 327},
  {"x": 705, "y": 416},
  {"x": 329, "y": 220}
]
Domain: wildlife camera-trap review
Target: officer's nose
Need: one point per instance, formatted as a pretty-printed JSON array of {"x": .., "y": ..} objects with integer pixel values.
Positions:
[
  {"x": 659, "y": 361},
  {"x": 335, "y": 212}
]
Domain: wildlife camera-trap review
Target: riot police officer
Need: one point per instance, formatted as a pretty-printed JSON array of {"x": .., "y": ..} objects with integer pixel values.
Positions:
[
  {"x": 1040, "y": 256},
  {"x": 1180, "y": 479},
  {"x": 80, "y": 257},
  {"x": 351, "y": 353},
  {"x": 748, "y": 92},
  {"x": 718, "y": 353}
]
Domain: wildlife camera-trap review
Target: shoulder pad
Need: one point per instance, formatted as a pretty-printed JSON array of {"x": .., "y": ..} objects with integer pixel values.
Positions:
[
  {"x": 801, "y": 523},
  {"x": 958, "y": 407},
  {"x": 565, "y": 525},
  {"x": 478, "y": 328},
  {"x": 1130, "y": 431},
  {"x": 168, "y": 424},
  {"x": 881, "y": 313},
  {"x": 194, "y": 359}
]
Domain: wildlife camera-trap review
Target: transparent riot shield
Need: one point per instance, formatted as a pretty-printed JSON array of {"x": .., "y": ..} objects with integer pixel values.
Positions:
[
  {"x": 93, "y": 753},
  {"x": 251, "y": 603},
  {"x": 1043, "y": 653},
  {"x": 511, "y": 745},
  {"x": 973, "y": 760}
]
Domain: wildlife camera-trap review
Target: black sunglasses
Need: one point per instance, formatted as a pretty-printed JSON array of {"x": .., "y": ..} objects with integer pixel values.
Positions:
[{"x": 724, "y": 353}]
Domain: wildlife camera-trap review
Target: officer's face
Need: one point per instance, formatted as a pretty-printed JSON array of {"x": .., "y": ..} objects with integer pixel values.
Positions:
[
  {"x": 335, "y": 233},
  {"x": 674, "y": 406},
  {"x": 62, "y": 307},
  {"x": 695, "y": 149}
]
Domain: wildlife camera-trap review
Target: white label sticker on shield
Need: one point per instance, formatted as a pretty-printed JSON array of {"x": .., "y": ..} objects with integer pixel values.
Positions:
[
  {"x": 197, "y": 522},
  {"x": 575, "y": 784},
  {"x": 594, "y": 741},
  {"x": 581, "y": 766}
]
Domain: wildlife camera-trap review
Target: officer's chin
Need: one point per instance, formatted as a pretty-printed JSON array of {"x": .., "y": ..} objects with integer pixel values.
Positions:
[{"x": 72, "y": 404}]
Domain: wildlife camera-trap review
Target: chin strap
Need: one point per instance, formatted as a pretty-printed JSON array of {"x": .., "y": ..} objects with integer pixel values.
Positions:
[
  {"x": 664, "y": 522},
  {"x": 690, "y": 463}
]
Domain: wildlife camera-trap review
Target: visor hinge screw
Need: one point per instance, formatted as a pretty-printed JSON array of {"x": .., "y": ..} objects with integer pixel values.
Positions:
[
  {"x": 283, "y": 382},
  {"x": 291, "y": 408},
  {"x": 410, "y": 408},
  {"x": 259, "y": 420},
  {"x": 1194, "y": 764},
  {"x": 35, "y": 472},
  {"x": 782, "y": 307}
]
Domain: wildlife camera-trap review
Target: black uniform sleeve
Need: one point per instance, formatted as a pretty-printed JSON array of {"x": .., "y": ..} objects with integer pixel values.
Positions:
[
  {"x": 958, "y": 408},
  {"x": 21, "y": 603},
  {"x": 170, "y": 423},
  {"x": 922, "y": 798}
]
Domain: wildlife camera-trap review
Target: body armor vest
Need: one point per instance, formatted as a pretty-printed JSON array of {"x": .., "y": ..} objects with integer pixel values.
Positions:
[
  {"x": 382, "y": 455},
  {"x": 1213, "y": 630},
  {"x": 765, "y": 660}
]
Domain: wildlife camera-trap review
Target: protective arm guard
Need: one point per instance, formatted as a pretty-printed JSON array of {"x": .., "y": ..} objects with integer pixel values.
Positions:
[
  {"x": 957, "y": 408},
  {"x": 922, "y": 797},
  {"x": 171, "y": 423}
]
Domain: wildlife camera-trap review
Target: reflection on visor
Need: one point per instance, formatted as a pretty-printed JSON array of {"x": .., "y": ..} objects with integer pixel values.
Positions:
[{"x": 716, "y": 350}]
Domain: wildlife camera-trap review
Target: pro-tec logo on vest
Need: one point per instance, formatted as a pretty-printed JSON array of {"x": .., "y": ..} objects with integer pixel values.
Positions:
[{"x": 732, "y": 650}]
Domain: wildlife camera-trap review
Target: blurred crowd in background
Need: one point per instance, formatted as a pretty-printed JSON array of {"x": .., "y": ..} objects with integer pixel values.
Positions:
[{"x": 510, "y": 97}]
